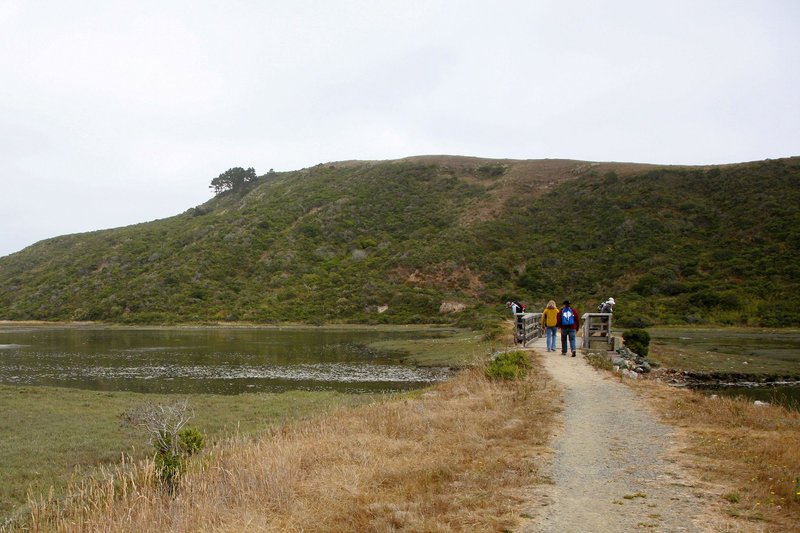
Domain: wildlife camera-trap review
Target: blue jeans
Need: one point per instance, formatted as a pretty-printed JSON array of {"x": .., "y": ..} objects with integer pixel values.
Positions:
[
  {"x": 567, "y": 332},
  {"x": 551, "y": 337}
]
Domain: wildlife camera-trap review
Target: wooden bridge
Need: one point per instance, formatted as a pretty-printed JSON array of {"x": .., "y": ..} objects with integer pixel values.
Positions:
[
  {"x": 596, "y": 329},
  {"x": 528, "y": 326}
]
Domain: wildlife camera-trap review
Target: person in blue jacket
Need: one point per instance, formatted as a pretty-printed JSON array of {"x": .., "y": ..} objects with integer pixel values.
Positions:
[{"x": 568, "y": 323}]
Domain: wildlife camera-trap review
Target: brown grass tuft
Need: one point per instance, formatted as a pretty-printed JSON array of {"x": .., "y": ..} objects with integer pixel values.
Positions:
[{"x": 454, "y": 458}]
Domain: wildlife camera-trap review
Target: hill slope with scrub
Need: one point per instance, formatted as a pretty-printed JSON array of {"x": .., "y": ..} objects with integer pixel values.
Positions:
[{"x": 440, "y": 239}]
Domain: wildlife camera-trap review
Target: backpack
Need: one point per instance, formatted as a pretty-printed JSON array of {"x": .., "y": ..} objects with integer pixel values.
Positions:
[{"x": 567, "y": 317}]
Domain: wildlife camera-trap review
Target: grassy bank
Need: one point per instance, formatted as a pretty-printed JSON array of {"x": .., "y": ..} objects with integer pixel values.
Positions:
[
  {"x": 455, "y": 457},
  {"x": 51, "y": 434},
  {"x": 749, "y": 451}
]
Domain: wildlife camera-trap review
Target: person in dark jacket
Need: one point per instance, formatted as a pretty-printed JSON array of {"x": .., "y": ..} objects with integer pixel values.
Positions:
[
  {"x": 517, "y": 309},
  {"x": 607, "y": 306},
  {"x": 568, "y": 323}
]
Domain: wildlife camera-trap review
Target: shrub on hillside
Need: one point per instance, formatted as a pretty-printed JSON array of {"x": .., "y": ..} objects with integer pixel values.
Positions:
[
  {"x": 779, "y": 314},
  {"x": 478, "y": 318},
  {"x": 490, "y": 171},
  {"x": 637, "y": 321}
]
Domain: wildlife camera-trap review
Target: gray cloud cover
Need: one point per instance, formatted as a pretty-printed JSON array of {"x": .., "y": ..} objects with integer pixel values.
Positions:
[{"x": 113, "y": 113}]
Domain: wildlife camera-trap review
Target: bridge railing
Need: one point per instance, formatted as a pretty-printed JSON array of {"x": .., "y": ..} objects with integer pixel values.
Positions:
[
  {"x": 597, "y": 331},
  {"x": 528, "y": 327}
]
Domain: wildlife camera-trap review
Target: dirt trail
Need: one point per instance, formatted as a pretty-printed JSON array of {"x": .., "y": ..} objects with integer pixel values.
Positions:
[{"x": 614, "y": 468}]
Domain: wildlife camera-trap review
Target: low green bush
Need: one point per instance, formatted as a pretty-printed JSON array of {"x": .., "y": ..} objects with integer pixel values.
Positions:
[
  {"x": 171, "y": 462},
  {"x": 637, "y": 340},
  {"x": 509, "y": 365},
  {"x": 173, "y": 443}
]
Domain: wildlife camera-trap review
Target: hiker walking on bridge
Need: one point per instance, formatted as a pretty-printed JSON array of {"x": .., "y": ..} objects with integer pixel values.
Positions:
[
  {"x": 568, "y": 323},
  {"x": 550, "y": 324}
]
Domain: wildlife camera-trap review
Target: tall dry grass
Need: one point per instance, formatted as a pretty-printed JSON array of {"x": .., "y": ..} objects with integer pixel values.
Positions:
[
  {"x": 455, "y": 458},
  {"x": 751, "y": 451}
]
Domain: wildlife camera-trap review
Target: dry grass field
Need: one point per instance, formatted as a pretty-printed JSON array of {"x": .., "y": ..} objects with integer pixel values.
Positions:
[
  {"x": 751, "y": 451},
  {"x": 454, "y": 458},
  {"x": 460, "y": 456}
]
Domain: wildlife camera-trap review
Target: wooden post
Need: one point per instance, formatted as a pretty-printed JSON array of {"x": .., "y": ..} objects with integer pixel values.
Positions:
[{"x": 597, "y": 331}]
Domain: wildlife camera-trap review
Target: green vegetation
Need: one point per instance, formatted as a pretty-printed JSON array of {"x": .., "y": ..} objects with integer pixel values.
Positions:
[
  {"x": 393, "y": 242},
  {"x": 52, "y": 433},
  {"x": 509, "y": 365},
  {"x": 172, "y": 441},
  {"x": 170, "y": 466},
  {"x": 234, "y": 179},
  {"x": 637, "y": 340},
  {"x": 732, "y": 497}
]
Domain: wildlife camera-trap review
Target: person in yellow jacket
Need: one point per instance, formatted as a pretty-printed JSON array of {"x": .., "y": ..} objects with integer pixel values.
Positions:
[{"x": 550, "y": 324}]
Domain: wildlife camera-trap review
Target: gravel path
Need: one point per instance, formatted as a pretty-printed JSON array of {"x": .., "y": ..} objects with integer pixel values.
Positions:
[{"x": 612, "y": 470}]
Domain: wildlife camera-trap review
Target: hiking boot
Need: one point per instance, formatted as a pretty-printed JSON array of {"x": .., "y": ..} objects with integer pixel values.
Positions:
[{"x": 573, "y": 354}]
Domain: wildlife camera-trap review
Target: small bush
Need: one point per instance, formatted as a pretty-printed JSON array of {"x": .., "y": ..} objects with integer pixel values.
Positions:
[
  {"x": 509, "y": 365},
  {"x": 172, "y": 442},
  {"x": 637, "y": 340},
  {"x": 192, "y": 441},
  {"x": 171, "y": 464}
]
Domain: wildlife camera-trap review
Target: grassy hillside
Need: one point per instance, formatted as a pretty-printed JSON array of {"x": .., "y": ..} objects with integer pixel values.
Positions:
[{"x": 391, "y": 241}]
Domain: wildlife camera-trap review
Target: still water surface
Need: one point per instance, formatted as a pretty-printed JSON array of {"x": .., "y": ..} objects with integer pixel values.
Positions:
[{"x": 208, "y": 360}]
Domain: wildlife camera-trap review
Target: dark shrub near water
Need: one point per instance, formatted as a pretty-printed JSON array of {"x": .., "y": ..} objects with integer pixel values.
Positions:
[{"x": 637, "y": 340}]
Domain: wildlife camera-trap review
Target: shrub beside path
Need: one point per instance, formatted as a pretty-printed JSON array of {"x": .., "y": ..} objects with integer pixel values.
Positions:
[{"x": 615, "y": 467}]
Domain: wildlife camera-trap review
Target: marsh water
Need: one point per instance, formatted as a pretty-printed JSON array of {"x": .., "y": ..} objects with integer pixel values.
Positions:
[
  {"x": 762, "y": 354},
  {"x": 209, "y": 360}
]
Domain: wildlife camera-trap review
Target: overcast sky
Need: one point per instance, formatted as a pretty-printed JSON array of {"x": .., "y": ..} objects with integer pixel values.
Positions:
[{"x": 118, "y": 112}]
